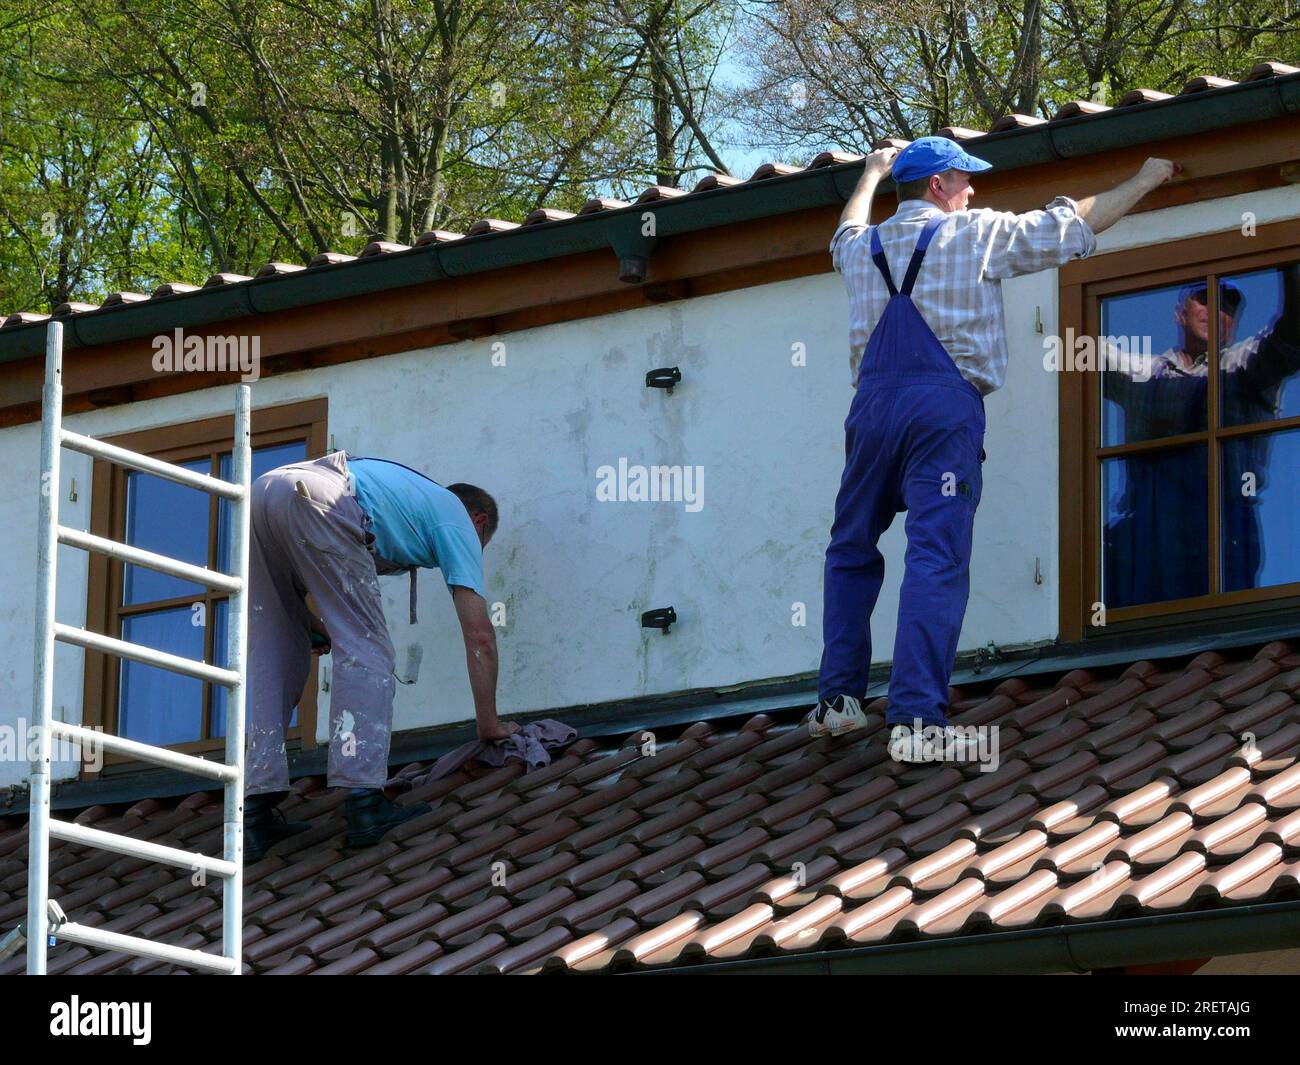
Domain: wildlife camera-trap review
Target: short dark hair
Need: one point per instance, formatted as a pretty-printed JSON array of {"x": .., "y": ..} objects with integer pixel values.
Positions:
[
  {"x": 477, "y": 500},
  {"x": 914, "y": 189}
]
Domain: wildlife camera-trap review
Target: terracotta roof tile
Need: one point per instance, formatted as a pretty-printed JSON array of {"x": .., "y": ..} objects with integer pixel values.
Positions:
[
  {"x": 659, "y": 192},
  {"x": 277, "y": 269},
  {"x": 118, "y": 299},
  {"x": 217, "y": 280},
  {"x": 601, "y": 203},
  {"x": 24, "y": 318},
  {"x": 832, "y": 158},
  {"x": 1269, "y": 69},
  {"x": 1075, "y": 108},
  {"x": 871, "y": 922},
  {"x": 1141, "y": 96},
  {"x": 545, "y": 214},
  {"x": 490, "y": 225},
  {"x": 753, "y": 839},
  {"x": 1206, "y": 82},
  {"x": 1015, "y": 121},
  {"x": 717, "y": 181},
  {"x": 381, "y": 247},
  {"x": 330, "y": 258},
  {"x": 65, "y": 309},
  {"x": 766, "y": 171}
]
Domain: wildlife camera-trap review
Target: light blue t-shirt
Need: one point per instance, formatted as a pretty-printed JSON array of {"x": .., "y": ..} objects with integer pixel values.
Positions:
[{"x": 417, "y": 522}]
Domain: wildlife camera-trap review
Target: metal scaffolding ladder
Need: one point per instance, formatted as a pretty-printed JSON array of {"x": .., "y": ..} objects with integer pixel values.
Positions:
[{"x": 43, "y": 913}]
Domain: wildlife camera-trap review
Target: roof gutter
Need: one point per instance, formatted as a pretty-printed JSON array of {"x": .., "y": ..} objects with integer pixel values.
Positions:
[
  {"x": 621, "y": 229},
  {"x": 1081, "y": 948}
]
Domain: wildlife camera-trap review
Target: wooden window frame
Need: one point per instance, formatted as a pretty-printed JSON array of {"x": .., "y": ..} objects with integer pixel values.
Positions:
[
  {"x": 303, "y": 420},
  {"x": 1083, "y": 285}
]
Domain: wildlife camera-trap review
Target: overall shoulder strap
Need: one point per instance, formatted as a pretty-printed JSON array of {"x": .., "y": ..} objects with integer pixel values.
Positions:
[
  {"x": 914, "y": 267},
  {"x": 878, "y": 254}
]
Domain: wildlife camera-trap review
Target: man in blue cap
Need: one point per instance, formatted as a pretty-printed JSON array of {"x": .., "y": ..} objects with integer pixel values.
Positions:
[
  {"x": 1156, "y": 505},
  {"x": 930, "y": 347}
]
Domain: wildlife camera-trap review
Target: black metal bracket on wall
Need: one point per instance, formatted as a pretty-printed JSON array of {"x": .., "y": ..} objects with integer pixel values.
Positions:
[
  {"x": 666, "y": 377},
  {"x": 660, "y": 619}
]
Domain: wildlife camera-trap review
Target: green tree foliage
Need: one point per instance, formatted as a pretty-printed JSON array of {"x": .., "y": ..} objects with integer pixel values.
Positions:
[
  {"x": 149, "y": 140},
  {"x": 848, "y": 73},
  {"x": 144, "y": 141}
]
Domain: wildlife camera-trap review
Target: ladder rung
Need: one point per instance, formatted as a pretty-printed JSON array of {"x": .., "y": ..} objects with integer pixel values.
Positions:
[
  {"x": 140, "y": 848},
  {"x": 94, "y": 641},
  {"x": 99, "y": 937},
  {"x": 90, "y": 446},
  {"x": 187, "y": 763},
  {"x": 126, "y": 553}
]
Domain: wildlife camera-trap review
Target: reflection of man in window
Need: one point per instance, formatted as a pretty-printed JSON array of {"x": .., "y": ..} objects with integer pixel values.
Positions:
[{"x": 1162, "y": 503}]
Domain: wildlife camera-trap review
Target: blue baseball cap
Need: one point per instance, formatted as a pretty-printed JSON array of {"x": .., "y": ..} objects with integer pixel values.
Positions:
[
  {"x": 933, "y": 155},
  {"x": 1231, "y": 299}
]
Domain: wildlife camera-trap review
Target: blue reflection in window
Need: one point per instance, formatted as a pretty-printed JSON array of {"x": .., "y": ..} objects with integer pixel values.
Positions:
[
  {"x": 1155, "y": 532},
  {"x": 156, "y": 705},
  {"x": 1260, "y": 532},
  {"x": 1260, "y": 362},
  {"x": 168, "y": 519},
  {"x": 1141, "y": 403}
]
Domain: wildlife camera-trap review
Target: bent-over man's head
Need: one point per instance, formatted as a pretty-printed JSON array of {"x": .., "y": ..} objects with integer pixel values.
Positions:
[{"x": 481, "y": 506}]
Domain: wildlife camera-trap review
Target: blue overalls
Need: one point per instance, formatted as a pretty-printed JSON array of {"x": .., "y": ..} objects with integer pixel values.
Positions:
[{"x": 913, "y": 441}]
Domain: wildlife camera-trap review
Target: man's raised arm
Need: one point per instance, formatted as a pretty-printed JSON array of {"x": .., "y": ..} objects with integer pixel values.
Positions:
[
  {"x": 1106, "y": 208},
  {"x": 875, "y": 167}
]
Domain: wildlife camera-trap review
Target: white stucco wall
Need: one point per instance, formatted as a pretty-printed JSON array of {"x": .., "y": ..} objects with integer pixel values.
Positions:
[{"x": 575, "y": 573}]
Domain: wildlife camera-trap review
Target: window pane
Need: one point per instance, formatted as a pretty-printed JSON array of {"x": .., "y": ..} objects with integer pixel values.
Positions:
[
  {"x": 156, "y": 705},
  {"x": 1259, "y": 326},
  {"x": 221, "y": 635},
  {"x": 1155, "y": 529},
  {"x": 170, "y": 519},
  {"x": 1145, "y": 399},
  {"x": 265, "y": 459},
  {"x": 1261, "y": 511}
]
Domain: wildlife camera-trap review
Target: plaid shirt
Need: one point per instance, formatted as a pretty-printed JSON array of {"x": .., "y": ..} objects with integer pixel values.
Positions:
[
  {"x": 959, "y": 288},
  {"x": 1172, "y": 399}
]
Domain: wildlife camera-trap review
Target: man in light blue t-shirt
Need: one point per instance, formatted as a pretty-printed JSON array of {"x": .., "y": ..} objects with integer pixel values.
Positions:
[{"x": 327, "y": 529}]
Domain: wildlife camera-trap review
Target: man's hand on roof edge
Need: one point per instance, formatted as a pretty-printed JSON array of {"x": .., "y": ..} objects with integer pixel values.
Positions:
[
  {"x": 881, "y": 161},
  {"x": 874, "y": 167},
  {"x": 1155, "y": 172}
]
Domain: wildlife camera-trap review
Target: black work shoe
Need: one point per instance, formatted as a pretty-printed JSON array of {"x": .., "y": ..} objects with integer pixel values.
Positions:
[
  {"x": 265, "y": 826},
  {"x": 372, "y": 815}
]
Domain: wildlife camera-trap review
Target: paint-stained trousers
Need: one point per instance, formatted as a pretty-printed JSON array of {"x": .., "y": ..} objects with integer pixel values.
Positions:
[{"x": 311, "y": 535}]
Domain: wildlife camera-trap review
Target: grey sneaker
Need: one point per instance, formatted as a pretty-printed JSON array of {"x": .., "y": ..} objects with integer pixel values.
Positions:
[
  {"x": 837, "y": 717},
  {"x": 905, "y": 745},
  {"x": 931, "y": 743}
]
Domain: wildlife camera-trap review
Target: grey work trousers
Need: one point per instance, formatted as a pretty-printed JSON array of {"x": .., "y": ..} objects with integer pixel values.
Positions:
[{"x": 311, "y": 535}]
